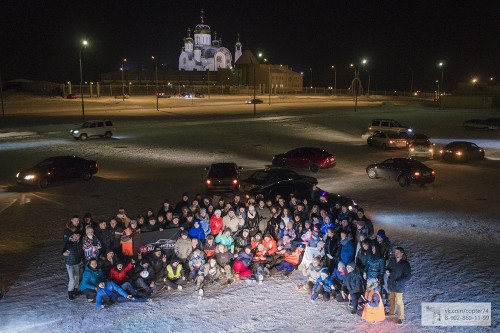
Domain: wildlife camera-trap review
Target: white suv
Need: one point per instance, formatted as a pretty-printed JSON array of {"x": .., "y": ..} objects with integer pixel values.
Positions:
[
  {"x": 389, "y": 125},
  {"x": 101, "y": 128}
]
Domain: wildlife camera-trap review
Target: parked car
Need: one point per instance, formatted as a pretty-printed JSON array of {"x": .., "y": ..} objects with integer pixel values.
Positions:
[
  {"x": 264, "y": 177},
  {"x": 389, "y": 125},
  {"x": 301, "y": 189},
  {"x": 163, "y": 95},
  {"x": 186, "y": 95},
  {"x": 71, "y": 96},
  {"x": 493, "y": 121},
  {"x": 404, "y": 170},
  {"x": 255, "y": 101},
  {"x": 386, "y": 140},
  {"x": 480, "y": 124},
  {"x": 199, "y": 95},
  {"x": 461, "y": 151},
  {"x": 420, "y": 146},
  {"x": 306, "y": 157},
  {"x": 222, "y": 177},
  {"x": 101, "y": 128},
  {"x": 57, "y": 168}
]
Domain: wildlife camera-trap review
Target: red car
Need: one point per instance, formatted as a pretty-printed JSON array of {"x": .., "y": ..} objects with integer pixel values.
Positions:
[{"x": 306, "y": 157}]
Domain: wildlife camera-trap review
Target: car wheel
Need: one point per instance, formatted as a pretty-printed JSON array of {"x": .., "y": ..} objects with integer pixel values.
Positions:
[
  {"x": 384, "y": 146},
  {"x": 369, "y": 143},
  {"x": 402, "y": 181},
  {"x": 86, "y": 175},
  {"x": 108, "y": 135},
  {"x": 371, "y": 173},
  {"x": 314, "y": 168},
  {"x": 83, "y": 137},
  {"x": 43, "y": 183}
]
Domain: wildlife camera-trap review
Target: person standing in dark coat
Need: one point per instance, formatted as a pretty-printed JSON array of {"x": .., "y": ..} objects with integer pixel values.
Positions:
[
  {"x": 399, "y": 272},
  {"x": 352, "y": 286},
  {"x": 331, "y": 249},
  {"x": 73, "y": 255},
  {"x": 105, "y": 235}
]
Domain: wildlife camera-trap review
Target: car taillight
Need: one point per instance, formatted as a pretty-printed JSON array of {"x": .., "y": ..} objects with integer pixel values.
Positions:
[
  {"x": 441, "y": 151},
  {"x": 416, "y": 174},
  {"x": 459, "y": 153},
  {"x": 209, "y": 182},
  {"x": 433, "y": 172},
  {"x": 391, "y": 141},
  {"x": 235, "y": 181}
]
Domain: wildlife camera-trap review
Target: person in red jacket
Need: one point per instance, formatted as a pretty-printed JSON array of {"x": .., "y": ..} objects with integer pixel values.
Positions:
[
  {"x": 119, "y": 275},
  {"x": 216, "y": 222}
]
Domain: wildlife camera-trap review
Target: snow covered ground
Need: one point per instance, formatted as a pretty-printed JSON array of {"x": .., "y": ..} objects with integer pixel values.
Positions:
[{"x": 450, "y": 228}]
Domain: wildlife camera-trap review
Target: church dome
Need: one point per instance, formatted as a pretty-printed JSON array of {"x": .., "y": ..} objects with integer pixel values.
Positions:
[
  {"x": 188, "y": 40},
  {"x": 202, "y": 29}
]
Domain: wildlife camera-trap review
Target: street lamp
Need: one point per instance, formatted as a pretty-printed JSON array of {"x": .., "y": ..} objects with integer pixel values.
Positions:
[
  {"x": 442, "y": 74},
  {"x": 84, "y": 44},
  {"x": 269, "y": 75},
  {"x": 156, "y": 74},
  {"x": 335, "y": 80},
  {"x": 311, "y": 76},
  {"x": 123, "y": 80}
]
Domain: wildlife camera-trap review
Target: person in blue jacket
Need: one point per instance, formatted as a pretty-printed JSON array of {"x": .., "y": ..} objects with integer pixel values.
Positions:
[
  {"x": 88, "y": 284},
  {"x": 347, "y": 250},
  {"x": 196, "y": 231},
  {"x": 322, "y": 286},
  {"x": 109, "y": 292}
]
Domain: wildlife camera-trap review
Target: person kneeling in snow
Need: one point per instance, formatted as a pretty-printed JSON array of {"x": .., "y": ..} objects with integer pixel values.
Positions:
[
  {"x": 242, "y": 263},
  {"x": 374, "y": 308},
  {"x": 292, "y": 259},
  {"x": 175, "y": 277},
  {"x": 109, "y": 292},
  {"x": 209, "y": 273},
  {"x": 322, "y": 286}
]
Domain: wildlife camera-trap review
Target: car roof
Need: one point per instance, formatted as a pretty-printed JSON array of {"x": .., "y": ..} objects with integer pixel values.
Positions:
[{"x": 223, "y": 165}]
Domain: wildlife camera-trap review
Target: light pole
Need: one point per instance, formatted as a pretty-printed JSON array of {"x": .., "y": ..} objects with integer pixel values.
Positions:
[
  {"x": 334, "y": 81},
  {"x": 411, "y": 83},
  {"x": 269, "y": 76},
  {"x": 368, "y": 82},
  {"x": 123, "y": 80},
  {"x": 156, "y": 75},
  {"x": 84, "y": 44},
  {"x": 442, "y": 75},
  {"x": 311, "y": 76}
]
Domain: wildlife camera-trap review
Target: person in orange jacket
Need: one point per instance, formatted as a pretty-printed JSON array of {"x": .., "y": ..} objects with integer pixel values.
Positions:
[{"x": 373, "y": 311}]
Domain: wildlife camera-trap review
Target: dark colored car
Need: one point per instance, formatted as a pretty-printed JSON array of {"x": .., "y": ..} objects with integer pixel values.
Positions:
[
  {"x": 269, "y": 176},
  {"x": 461, "y": 151},
  {"x": 306, "y": 157},
  {"x": 302, "y": 190},
  {"x": 480, "y": 124},
  {"x": 255, "y": 101},
  {"x": 404, "y": 170},
  {"x": 56, "y": 169},
  {"x": 71, "y": 96},
  {"x": 222, "y": 177},
  {"x": 163, "y": 95}
]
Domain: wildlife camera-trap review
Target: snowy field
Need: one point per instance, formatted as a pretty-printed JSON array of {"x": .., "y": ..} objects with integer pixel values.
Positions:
[{"x": 450, "y": 229}]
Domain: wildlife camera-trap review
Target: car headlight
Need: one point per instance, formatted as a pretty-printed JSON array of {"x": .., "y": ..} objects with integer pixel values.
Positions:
[
  {"x": 29, "y": 177},
  {"x": 17, "y": 176},
  {"x": 74, "y": 131},
  {"x": 410, "y": 130}
]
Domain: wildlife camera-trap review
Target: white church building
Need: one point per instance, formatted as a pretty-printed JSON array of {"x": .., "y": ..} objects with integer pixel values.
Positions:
[{"x": 201, "y": 53}]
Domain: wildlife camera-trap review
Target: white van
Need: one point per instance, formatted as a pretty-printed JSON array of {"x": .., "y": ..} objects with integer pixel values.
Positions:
[{"x": 101, "y": 128}]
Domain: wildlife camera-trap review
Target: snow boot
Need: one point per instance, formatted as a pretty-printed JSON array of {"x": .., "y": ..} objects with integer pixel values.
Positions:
[{"x": 70, "y": 295}]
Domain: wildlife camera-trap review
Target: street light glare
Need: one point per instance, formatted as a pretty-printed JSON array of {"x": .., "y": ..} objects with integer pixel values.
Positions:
[
  {"x": 441, "y": 64},
  {"x": 84, "y": 42},
  {"x": 364, "y": 61}
]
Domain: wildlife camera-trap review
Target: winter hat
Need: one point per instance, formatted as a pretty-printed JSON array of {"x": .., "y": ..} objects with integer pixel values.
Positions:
[
  {"x": 185, "y": 194},
  {"x": 87, "y": 215},
  {"x": 246, "y": 230},
  {"x": 133, "y": 221},
  {"x": 251, "y": 207},
  {"x": 371, "y": 283},
  {"x": 381, "y": 233},
  {"x": 261, "y": 247},
  {"x": 352, "y": 265},
  {"x": 89, "y": 228},
  {"x": 217, "y": 212},
  {"x": 341, "y": 266},
  {"x": 184, "y": 233},
  {"x": 197, "y": 253},
  {"x": 320, "y": 244},
  {"x": 324, "y": 271},
  {"x": 203, "y": 210}
]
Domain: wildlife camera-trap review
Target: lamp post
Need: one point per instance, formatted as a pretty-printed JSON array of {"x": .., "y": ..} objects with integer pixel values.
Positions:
[
  {"x": 123, "y": 80},
  {"x": 311, "y": 76},
  {"x": 84, "y": 44},
  {"x": 334, "y": 80},
  {"x": 156, "y": 76},
  {"x": 368, "y": 82},
  {"x": 269, "y": 76},
  {"x": 442, "y": 74},
  {"x": 411, "y": 83}
]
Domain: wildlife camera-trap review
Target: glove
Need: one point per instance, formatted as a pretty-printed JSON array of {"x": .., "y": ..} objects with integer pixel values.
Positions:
[{"x": 329, "y": 256}]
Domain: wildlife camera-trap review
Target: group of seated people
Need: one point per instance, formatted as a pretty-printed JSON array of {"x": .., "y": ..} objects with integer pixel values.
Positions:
[{"x": 220, "y": 240}]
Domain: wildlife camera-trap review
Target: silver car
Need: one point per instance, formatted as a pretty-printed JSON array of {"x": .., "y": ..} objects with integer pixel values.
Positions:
[
  {"x": 420, "y": 146},
  {"x": 386, "y": 140},
  {"x": 101, "y": 128}
]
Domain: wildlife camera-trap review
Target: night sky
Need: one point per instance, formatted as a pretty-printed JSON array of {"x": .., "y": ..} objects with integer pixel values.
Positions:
[{"x": 40, "y": 40}]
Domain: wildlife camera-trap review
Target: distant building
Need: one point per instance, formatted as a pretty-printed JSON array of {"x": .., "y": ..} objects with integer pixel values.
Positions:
[{"x": 201, "y": 53}]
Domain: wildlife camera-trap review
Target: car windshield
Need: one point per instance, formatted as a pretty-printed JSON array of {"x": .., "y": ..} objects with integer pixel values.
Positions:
[
  {"x": 259, "y": 177},
  {"x": 87, "y": 124},
  {"x": 222, "y": 171},
  {"x": 46, "y": 163}
]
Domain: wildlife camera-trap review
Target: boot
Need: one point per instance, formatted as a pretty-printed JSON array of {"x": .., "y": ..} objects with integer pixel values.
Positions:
[{"x": 70, "y": 295}]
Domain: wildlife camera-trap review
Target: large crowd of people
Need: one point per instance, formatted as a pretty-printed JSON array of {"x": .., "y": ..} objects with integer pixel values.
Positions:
[{"x": 221, "y": 240}]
